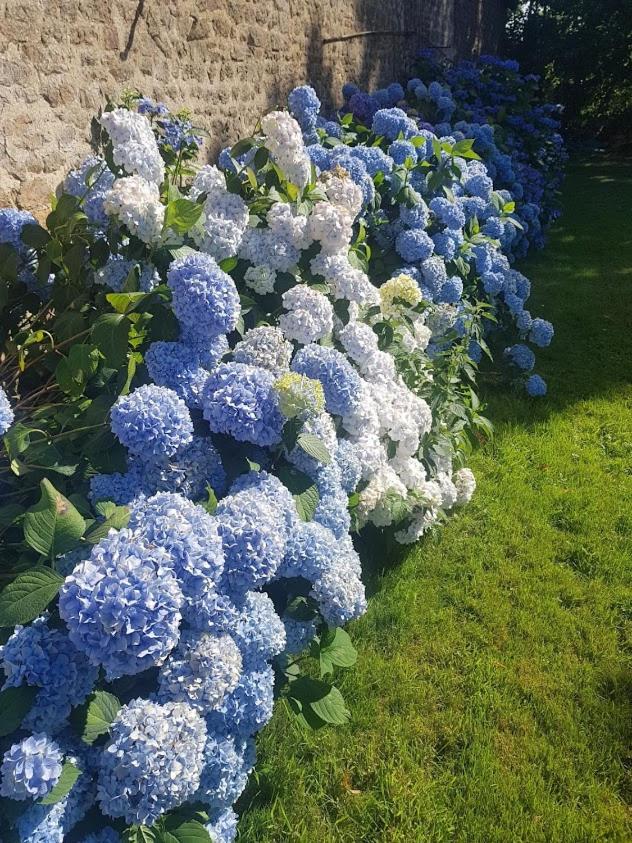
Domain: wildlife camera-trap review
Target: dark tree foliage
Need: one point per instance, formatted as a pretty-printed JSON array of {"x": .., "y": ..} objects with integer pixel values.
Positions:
[{"x": 583, "y": 49}]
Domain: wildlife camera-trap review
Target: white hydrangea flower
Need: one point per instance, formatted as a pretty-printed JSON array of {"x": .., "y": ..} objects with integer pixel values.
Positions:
[
  {"x": 265, "y": 347},
  {"x": 284, "y": 140},
  {"x": 289, "y": 225},
  {"x": 341, "y": 190},
  {"x": 346, "y": 281},
  {"x": 309, "y": 317},
  {"x": 134, "y": 145},
  {"x": 263, "y": 247},
  {"x": 359, "y": 341},
  {"x": 135, "y": 202},
  {"x": 375, "y": 500},
  {"x": 465, "y": 484},
  {"x": 331, "y": 226},
  {"x": 260, "y": 279},
  {"x": 220, "y": 229},
  {"x": 417, "y": 528},
  {"x": 449, "y": 492}
]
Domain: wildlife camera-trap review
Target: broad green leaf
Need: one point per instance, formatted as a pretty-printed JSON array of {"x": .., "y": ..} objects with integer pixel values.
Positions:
[
  {"x": 74, "y": 371},
  {"x": 126, "y": 302},
  {"x": 67, "y": 779},
  {"x": 116, "y": 520},
  {"x": 304, "y": 491},
  {"x": 181, "y": 215},
  {"x": 35, "y": 236},
  {"x": 332, "y": 708},
  {"x": 26, "y": 597},
  {"x": 315, "y": 447},
  {"x": 109, "y": 334},
  {"x": 139, "y": 834},
  {"x": 176, "y": 831},
  {"x": 101, "y": 711},
  {"x": 15, "y": 704},
  {"x": 53, "y": 525},
  {"x": 336, "y": 650}
]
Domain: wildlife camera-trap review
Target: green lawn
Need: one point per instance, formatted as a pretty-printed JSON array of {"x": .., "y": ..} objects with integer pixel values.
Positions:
[{"x": 491, "y": 700}]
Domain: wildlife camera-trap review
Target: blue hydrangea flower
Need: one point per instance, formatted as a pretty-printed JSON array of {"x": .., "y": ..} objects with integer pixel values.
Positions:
[
  {"x": 374, "y": 159},
  {"x": 120, "y": 488},
  {"x": 152, "y": 422},
  {"x": 304, "y": 105},
  {"x": 348, "y": 461},
  {"x": 259, "y": 631},
  {"x": 253, "y": 542},
  {"x": 248, "y": 708},
  {"x": 47, "y": 659},
  {"x": 341, "y": 383},
  {"x": 6, "y": 413},
  {"x": 400, "y": 150},
  {"x": 209, "y": 351},
  {"x": 223, "y": 826},
  {"x": 363, "y": 107},
  {"x": 521, "y": 356},
  {"x": 332, "y": 512},
  {"x": 339, "y": 591},
  {"x": 205, "y": 298},
  {"x": 415, "y": 216},
  {"x": 188, "y": 534},
  {"x": 541, "y": 332},
  {"x": 31, "y": 768},
  {"x": 535, "y": 386},
  {"x": 475, "y": 351},
  {"x": 523, "y": 320},
  {"x": 450, "y": 213},
  {"x": 391, "y": 122},
  {"x": 452, "y": 290},
  {"x": 227, "y": 764},
  {"x": 240, "y": 400},
  {"x": 12, "y": 222},
  {"x": 152, "y": 762},
  {"x": 122, "y": 605},
  {"x": 479, "y": 185},
  {"x": 414, "y": 245},
  {"x": 187, "y": 472},
  {"x": 298, "y": 635},
  {"x": 177, "y": 366},
  {"x": 311, "y": 548},
  {"x": 91, "y": 180},
  {"x": 201, "y": 671}
]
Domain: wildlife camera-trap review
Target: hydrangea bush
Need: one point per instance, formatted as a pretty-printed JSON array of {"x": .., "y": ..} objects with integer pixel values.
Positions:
[{"x": 213, "y": 377}]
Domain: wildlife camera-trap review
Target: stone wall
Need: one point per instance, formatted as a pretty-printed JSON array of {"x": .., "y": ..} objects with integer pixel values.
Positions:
[{"x": 227, "y": 60}]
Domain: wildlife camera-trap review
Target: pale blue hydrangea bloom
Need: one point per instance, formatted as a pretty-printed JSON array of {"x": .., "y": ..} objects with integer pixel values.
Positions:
[
  {"x": 240, "y": 400},
  {"x": 6, "y": 413},
  {"x": 223, "y": 826},
  {"x": 31, "y": 768},
  {"x": 259, "y": 631},
  {"x": 414, "y": 245},
  {"x": 152, "y": 422},
  {"x": 122, "y": 605},
  {"x": 341, "y": 383},
  {"x": 541, "y": 332},
  {"x": 249, "y": 707},
  {"x": 227, "y": 763},
  {"x": 205, "y": 298},
  {"x": 152, "y": 762},
  {"x": 298, "y": 635}
]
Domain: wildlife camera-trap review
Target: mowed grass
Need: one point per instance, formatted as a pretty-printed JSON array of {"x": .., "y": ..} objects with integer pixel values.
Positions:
[{"x": 491, "y": 700}]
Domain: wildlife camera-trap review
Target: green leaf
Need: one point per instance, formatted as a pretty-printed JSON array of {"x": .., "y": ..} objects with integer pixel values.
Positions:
[
  {"x": 315, "y": 447},
  {"x": 332, "y": 708},
  {"x": 53, "y": 525},
  {"x": 228, "y": 264},
  {"x": 26, "y": 597},
  {"x": 181, "y": 215},
  {"x": 101, "y": 711},
  {"x": 321, "y": 699},
  {"x": 67, "y": 779},
  {"x": 109, "y": 334},
  {"x": 126, "y": 302},
  {"x": 35, "y": 236},
  {"x": 116, "y": 520},
  {"x": 210, "y": 504},
  {"x": 15, "y": 704},
  {"x": 139, "y": 834},
  {"x": 337, "y": 650},
  {"x": 303, "y": 488},
  {"x": 176, "y": 831},
  {"x": 74, "y": 372}
]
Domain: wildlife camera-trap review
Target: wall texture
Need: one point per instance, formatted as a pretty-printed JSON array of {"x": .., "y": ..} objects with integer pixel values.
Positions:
[{"x": 227, "y": 60}]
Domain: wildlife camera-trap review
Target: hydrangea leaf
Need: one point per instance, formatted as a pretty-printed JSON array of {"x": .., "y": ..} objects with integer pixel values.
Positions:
[
  {"x": 304, "y": 491},
  {"x": 336, "y": 650},
  {"x": 109, "y": 334},
  {"x": 315, "y": 447},
  {"x": 190, "y": 831},
  {"x": 320, "y": 699},
  {"x": 181, "y": 215},
  {"x": 116, "y": 520},
  {"x": 139, "y": 834},
  {"x": 28, "y": 595},
  {"x": 15, "y": 704},
  {"x": 101, "y": 711},
  {"x": 53, "y": 525},
  {"x": 67, "y": 779}
]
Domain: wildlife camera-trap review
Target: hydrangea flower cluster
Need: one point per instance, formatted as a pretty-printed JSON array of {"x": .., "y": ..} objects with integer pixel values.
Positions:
[{"x": 315, "y": 309}]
